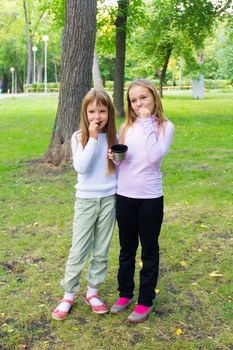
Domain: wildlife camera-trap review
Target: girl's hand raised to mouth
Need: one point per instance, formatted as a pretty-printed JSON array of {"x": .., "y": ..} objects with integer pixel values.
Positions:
[
  {"x": 93, "y": 129},
  {"x": 144, "y": 112}
]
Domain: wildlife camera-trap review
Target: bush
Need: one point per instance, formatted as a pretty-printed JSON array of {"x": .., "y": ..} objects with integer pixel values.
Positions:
[
  {"x": 108, "y": 85},
  {"x": 39, "y": 87},
  {"x": 212, "y": 84}
]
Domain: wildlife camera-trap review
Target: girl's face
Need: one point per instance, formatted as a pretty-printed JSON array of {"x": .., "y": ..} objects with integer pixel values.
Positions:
[
  {"x": 141, "y": 97},
  {"x": 97, "y": 114}
]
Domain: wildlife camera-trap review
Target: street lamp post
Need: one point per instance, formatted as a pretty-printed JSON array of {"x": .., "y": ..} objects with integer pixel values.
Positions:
[
  {"x": 45, "y": 39},
  {"x": 34, "y": 49},
  {"x": 180, "y": 75},
  {"x": 12, "y": 69}
]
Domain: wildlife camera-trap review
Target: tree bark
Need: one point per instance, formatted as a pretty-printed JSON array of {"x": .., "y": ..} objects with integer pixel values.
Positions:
[
  {"x": 77, "y": 60},
  {"x": 39, "y": 71},
  {"x": 162, "y": 74},
  {"x": 29, "y": 63},
  {"x": 29, "y": 42},
  {"x": 119, "y": 76}
]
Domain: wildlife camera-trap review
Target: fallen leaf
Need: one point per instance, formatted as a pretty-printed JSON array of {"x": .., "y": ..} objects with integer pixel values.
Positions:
[
  {"x": 10, "y": 330},
  {"x": 215, "y": 274}
]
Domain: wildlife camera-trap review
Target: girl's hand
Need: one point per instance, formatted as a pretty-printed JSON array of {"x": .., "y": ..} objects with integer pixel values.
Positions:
[
  {"x": 93, "y": 130},
  {"x": 110, "y": 155},
  {"x": 144, "y": 112}
]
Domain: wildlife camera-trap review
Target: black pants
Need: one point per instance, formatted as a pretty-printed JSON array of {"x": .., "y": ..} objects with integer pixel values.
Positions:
[{"x": 139, "y": 219}]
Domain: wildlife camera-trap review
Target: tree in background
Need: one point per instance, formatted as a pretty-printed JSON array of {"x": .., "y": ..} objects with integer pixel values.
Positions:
[
  {"x": 115, "y": 26},
  {"x": 106, "y": 39},
  {"x": 77, "y": 60},
  {"x": 33, "y": 15},
  {"x": 174, "y": 28},
  {"x": 119, "y": 75},
  {"x": 12, "y": 45}
]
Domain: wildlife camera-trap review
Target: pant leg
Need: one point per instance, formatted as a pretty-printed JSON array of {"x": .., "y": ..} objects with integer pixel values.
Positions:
[
  {"x": 150, "y": 217},
  {"x": 126, "y": 214},
  {"x": 85, "y": 217},
  {"x": 104, "y": 229}
]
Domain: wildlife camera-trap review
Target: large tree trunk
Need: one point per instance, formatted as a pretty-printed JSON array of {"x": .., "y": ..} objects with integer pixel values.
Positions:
[
  {"x": 162, "y": 73},
  {"x": 77, "y": 60},
  {"x": 119, "y": 77}
]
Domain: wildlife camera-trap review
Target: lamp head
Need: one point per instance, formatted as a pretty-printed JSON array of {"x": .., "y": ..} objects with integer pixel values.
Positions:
[{"x": 45, "y": 38}]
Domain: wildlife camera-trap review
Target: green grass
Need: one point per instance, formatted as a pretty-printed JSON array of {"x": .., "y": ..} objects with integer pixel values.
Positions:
[{"x": 196, "y": 238}]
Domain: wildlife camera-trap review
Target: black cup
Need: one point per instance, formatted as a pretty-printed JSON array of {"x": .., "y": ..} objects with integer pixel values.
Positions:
[{"x": 119, "y": 151}]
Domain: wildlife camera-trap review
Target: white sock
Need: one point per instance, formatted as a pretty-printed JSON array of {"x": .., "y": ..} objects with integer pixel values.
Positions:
[
  {"x": 93, "y": 291},
  {"x": 63, "y": 306}
]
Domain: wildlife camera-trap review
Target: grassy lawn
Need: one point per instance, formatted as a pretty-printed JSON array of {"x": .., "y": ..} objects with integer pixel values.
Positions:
[{"x": 194, "y": 304}]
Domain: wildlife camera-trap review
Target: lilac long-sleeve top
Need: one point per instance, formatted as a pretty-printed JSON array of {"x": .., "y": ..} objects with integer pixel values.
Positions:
[{"x": 139, "y": 175}]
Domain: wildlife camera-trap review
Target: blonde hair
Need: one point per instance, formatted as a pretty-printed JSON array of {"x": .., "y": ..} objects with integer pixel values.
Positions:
[
  {"x": 102, "y": 99},
  {"x": 131, "y": 116}
]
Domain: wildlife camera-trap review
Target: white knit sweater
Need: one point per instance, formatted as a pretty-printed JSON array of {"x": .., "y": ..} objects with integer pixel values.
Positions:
[{"x": 91, "y": 164}]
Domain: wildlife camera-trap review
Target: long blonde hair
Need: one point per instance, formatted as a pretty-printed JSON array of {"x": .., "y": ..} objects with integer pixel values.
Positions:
[
  {"x": 131, "y": 116},
  {"x": 102, "y": 99}
]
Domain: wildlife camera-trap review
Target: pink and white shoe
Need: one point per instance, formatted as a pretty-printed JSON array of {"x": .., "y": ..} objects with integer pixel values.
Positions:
[
  {"x": 59, "y": 315},
  {"x": 120, "y": 305},
  {"x": 140, "y": 313},
  {"x": 98, "y": 309}
]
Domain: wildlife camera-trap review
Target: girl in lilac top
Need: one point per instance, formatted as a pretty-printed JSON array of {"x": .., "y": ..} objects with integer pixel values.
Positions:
[{"x": 139, "y": 206}]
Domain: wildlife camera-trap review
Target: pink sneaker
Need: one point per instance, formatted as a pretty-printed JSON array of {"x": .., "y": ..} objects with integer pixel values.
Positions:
[
  {"x": 140, "y": 313},
  {"x": 120, "y": 305},
  {"x": 98, "y": 309}
]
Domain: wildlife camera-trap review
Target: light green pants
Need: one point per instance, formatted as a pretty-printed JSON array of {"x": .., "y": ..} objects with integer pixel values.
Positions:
[{"x": 93, "y": 226}]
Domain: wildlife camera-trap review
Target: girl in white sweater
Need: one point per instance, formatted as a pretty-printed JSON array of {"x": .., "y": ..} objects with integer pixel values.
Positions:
[{"x": 94, "y": 216}]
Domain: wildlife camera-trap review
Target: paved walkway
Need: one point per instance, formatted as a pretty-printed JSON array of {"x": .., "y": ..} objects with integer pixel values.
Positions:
[{"x": 2, "y": 96}]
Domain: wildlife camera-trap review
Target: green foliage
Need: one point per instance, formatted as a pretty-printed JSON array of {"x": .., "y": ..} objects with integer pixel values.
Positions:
[
  {"x": 218, "y": 60},
  {"x": 219, "y": 84},
  {"x": 180, "y": 26},
  {"x": 13, "y": 49},
  {"x": 106, "y": 32},
  {"x": 13, "y": 40},
  {"x": 56, "y": 8}
]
